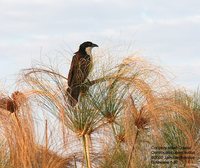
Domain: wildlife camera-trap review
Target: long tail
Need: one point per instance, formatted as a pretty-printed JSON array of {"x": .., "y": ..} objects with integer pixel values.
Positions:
[{"x": 73, "y": 94}]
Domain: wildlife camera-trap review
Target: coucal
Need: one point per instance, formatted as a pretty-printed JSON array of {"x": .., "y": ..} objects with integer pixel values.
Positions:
[{"x": 80, "y": 67}]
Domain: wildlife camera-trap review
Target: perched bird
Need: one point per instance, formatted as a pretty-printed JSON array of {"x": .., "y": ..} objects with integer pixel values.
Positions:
[{"x": 80, "y": 67}]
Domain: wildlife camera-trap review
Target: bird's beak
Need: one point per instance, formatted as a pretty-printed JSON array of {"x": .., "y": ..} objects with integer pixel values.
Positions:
[{"x": 94, "y": 45}]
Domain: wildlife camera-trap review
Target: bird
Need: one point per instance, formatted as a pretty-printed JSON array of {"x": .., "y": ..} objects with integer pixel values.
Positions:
[{"x": 80, "y": 68}]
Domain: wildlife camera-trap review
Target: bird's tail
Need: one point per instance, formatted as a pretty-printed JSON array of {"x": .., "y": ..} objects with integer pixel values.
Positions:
[{"x": 73, "y": 94}]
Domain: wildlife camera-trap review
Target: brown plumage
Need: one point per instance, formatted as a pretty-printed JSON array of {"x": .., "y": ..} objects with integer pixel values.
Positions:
[{"x": 80, "y": 67}]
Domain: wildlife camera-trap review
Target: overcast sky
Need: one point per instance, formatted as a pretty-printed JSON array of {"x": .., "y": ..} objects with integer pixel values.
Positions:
[{"x": 165, "y": 32}]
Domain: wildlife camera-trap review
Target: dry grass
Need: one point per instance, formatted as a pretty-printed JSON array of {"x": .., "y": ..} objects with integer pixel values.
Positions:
[{"x": 123, "y": 111}]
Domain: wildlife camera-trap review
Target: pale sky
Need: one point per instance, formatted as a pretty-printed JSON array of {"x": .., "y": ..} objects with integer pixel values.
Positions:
[{"x": 165, "y": 32}]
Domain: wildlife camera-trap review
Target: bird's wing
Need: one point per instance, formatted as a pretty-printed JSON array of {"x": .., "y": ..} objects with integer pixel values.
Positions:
[
  {"x": 85, "y": 68},
  {"x": 79, "y": 70},
  {"x": 73, "y": 70}
]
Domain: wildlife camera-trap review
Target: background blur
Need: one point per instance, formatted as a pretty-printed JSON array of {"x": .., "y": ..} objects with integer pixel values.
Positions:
[{"x": 165, "y": 32}]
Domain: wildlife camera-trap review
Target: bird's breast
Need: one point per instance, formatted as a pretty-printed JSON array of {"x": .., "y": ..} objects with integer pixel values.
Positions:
[{"x": 91, "y": 63}]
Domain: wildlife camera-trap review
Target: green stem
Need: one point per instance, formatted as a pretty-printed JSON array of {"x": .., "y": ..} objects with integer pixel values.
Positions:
[
  {"x": 85, "y": 139},
  {"x": 75, "y": 166},
  {"x": 132, "y": 149},
  {"x": 115, "y": 134},
  {"x": 114, "y": 131}
]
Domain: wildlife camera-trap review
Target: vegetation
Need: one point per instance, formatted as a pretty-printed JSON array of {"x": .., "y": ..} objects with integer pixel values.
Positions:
[{"x": 125, "y": 114}]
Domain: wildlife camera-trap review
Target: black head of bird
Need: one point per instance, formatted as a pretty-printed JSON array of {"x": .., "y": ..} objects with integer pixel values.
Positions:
[{"x": 86, "y": 47}]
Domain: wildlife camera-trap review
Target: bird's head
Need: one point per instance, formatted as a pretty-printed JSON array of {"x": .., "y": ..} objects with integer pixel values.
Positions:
[{"x": 86, "y": 47}]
